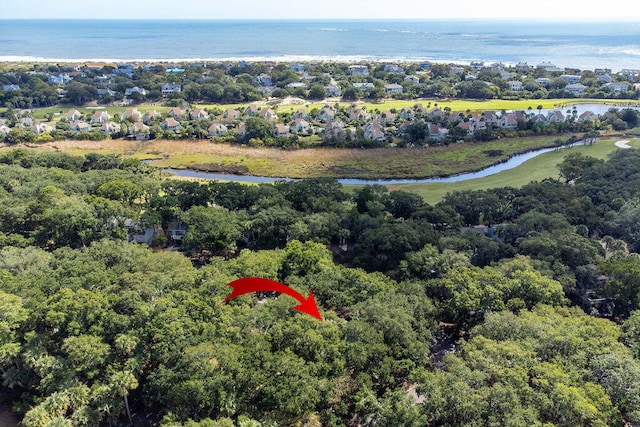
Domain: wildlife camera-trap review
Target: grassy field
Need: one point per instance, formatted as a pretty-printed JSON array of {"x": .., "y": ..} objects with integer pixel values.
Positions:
[
  {"x": 536, "y": 169},
  {"x": 315, "y": 162},
  {"x": 455, "y": 105}
]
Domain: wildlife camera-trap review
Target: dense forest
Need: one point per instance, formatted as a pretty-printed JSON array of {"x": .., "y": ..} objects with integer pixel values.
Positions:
[{"x": 510, "y": 306}]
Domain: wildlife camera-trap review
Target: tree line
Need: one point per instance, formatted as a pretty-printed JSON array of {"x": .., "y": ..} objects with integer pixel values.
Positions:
[{"x": 540, "y": 297}]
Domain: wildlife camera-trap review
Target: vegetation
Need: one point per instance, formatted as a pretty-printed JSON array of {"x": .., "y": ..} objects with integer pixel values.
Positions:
[{"x": 539, "y": 308}]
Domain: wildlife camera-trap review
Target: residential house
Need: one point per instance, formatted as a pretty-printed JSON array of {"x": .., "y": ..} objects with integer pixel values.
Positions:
[
  {"x": 407, "y": 113},
  {"x": 40, "y": 128},
  {"x": 241, "y": 130},
  {"x": 373, "y": 131},
  {"x": 169, "y": 88},
  {"x": 263, "y": 79},
  {"x": 268, "y": 114},
  {"x": 393, "y": 88},
  {"x": 468, "y": 127},
  {"x": 110, "y": 127},
  {"x": 543, "y": 81},
  {"x": 576, "y": 89},
  {"x": 176, "y": 113},
  {"x": 198, "y": 114},
  {"x": 252, "y": 110},
  {"x": 477, "y": 65},
  {"x": 555, "y": 116},
  {"x": 326, "y": 114},
  {"x": 132, "y": 114},
  {"x": 489, "y": 117},
  {"x": 413, "y": 79},
  {"x": 618, "y": 87},
  {"x": 59, "y": 79},
  {"x": 437, "y": 133},
  {"x": 435, "y": 113},
  {"x": 386, "y": 117},
  {"x": 588, "y": 115},
  {"x": 296, "y": 85},
  {"x": 570, "y": 78},
  {"x": 217, "y": 129},
  {"x": 99, "y": 117},
  {"x": 103, "y": 80},
  {"x": 522, "y": 67},
  {"x": 150, "y": 116},
  {"x": 80, "y": 126},
  {"x": 126, "y": 69},
  {"x": 131, "y": 90},
  {"x": 359, "y": 70},
  {"x": 515, "y": 86},
  {"x": 300, "y": 113},
  {"x": 605, "y": 78},
  {"x": 300, "y": 125},
  {"x": 333, "y": 90},
  {"x": 297, "y": 68},
  {"x": 73, "y": 115},
  {"x": 334, "y": 131},
  {"x": 357, "y": 112},
  {"x": 393, "y": 68},
  {"x": 548, "y": 67},
  {"x": 231, "y": 115},
  {"x": 10, "y": 88},
  {"x": 506, "y": 75},
  {"x": 363, "y": 86},
  {"x": 281, "y": 130},
  {"x": 508, "y": 121},
  {"x": 139, "y": 131},
  {"x": 171, "y": 124},
  {"x": 601, "y": 71},
  {"x": 103, "y": 92}
]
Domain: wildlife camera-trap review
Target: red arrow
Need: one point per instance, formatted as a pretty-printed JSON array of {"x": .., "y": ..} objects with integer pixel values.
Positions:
[{"x": 257, "y": 284}]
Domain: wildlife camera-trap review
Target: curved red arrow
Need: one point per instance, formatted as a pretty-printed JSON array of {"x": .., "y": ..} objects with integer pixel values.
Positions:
[{"x": 257, "y": 284}]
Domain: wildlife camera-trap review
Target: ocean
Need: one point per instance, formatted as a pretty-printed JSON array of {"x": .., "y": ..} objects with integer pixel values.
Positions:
[{"x": 583, "y": 45}]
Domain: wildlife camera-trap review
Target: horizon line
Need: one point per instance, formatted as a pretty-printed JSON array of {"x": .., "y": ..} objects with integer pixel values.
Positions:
[{"x": 465, "y": 19}]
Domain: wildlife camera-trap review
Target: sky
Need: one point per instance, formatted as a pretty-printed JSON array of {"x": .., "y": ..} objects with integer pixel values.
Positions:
[{"x": 320, "y": 9}]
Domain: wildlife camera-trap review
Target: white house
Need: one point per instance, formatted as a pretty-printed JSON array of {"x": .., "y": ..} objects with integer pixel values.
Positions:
[
  {"x": 359, "y": 70},
  {"x": 393, "y": 88},
  {"x": 373, "y": 131},
  {"x": 618, "y": 86},
  {"x": 100, "y": 117},
  {"x": 217, "y": 129},
  {"x": 168, "y": 88},
  {"x": 171, "y": 124},
  {"x": 515, "y": 86},
  {"x": 575, "y": 89},
  {"x": 333, "y": 90},
  {"x": 413, "y": 79},
  {"x": 135, "y": 89},
  {"x": 571, "y": 78}
]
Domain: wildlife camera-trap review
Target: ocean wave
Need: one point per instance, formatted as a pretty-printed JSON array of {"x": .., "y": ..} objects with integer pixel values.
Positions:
[
  {"x": 252, "y": 58},
  {"x": 333, "y": 29}
]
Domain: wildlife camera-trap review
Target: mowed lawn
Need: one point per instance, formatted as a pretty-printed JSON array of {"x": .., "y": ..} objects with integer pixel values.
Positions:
[{"x": 536, "y": 169}]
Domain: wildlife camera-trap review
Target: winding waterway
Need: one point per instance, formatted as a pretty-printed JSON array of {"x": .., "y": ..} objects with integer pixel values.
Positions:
[{"x": 513, "y": 162}]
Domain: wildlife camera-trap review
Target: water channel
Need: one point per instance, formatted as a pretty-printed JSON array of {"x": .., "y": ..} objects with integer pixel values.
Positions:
[{"x": 513, "y": 162}]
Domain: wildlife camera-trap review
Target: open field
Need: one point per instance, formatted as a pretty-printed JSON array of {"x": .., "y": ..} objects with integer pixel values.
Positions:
[
  {"x": 314, "y": 162},
  {"x": 536, "y": 169},
  {"x": 455, "y": 105}
]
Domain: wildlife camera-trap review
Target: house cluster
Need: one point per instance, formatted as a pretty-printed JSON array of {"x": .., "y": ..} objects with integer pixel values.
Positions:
[{"x": 331, "y": 122}]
